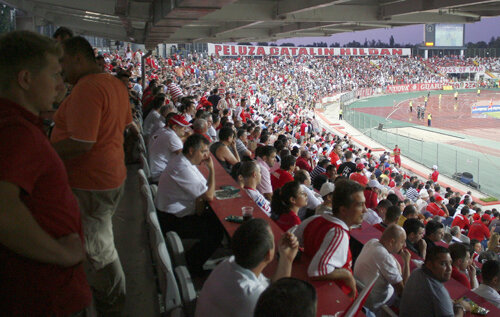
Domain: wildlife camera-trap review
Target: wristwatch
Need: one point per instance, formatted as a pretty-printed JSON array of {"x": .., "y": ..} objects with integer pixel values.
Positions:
[{"x": 456, "y": 307}]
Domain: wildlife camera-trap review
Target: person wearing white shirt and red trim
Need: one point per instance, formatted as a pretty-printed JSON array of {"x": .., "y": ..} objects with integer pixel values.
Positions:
[
  {"x": 325, "y": 238},
  {"x": 249, "y": 172},
  {"x": 490, "y": 286}
]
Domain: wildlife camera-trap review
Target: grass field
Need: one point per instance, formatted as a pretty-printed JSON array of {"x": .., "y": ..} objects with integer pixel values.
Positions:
[{"x": 494, "y": 114}]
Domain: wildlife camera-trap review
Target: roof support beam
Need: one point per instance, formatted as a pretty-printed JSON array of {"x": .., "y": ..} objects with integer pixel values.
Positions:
[{"x": 413, "y": 6}]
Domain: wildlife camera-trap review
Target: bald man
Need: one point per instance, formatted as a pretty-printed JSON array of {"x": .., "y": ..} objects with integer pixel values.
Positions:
[{"x": 377, "y": 256}]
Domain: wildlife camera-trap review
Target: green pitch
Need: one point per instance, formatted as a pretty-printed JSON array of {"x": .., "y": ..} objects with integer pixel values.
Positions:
[{"x": 494, "y": 114}]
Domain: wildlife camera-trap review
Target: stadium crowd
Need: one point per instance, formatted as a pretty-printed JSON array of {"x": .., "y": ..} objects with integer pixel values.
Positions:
[{"x": 256, "y": 118}]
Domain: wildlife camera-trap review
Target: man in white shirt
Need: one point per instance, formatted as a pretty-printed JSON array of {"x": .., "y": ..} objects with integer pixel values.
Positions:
[
  {"x": 266, "y": 157},
  {"x": 166, "y": 143},
  {"x": 378, "y": 215},
  {"x": 491, "y": 282},
  {"x": 182, "y": 194},
  {"x": 234, "y": 286},
  {"x": 250, "y": 172},
  {"x": 377, "y": 256}
]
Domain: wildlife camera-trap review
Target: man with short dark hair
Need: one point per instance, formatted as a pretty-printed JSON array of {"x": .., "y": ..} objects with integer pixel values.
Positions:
[
  {"x": 373, "y": 217},
  {"x": 62, "y": 34},
  {"x": 463, "y": 270},
  {"x": 182, "y": 194},
  {"x": 489, "y": 288},
  {"x": 41, "y": 247},
  {"x": 434, "y": 232},
  {"x": 414, "y": 234},
  {"x": 326, "y": 237},
  {"x": 266, "y": 157},
  {"x": 345, "y": 169},
  {"x": 424, "y": 293},
  {"x": 288, "y": 297},
  {"x": 283, "y": 175},
  {"x": 234, "y": 286},
  {"x": 89, "y": 135}
]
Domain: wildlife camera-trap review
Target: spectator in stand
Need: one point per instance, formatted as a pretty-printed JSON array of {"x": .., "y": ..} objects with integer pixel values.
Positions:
[
  {"x": 174, "y": 91},
  {"x": 304, "y": 162},
  {"x": 436, "y": 207},
  {"x": 490, "y": 286},
  {"x": 345, "y": 169},
  {"x": 62, "y": 34},
  {"x": 462, "y": 268},
  {"x": 326, "y": 238},
  {"x": 241, "y": 143},
  {"x": 266, "y": 157},
  {"x": 371, "y": 193},
  {"x": 225, "y": 149},
  {"x": 435, "y": 174},
  {"x": 283, "y": 175},
  {"x": 425, "y": 285},
  {"x": 319, "y": 169},
  {"x": 397, "y": 156},
  {"x": 326, "y": 193},
  {"x": 391, "y": 217},
  {"x": 41, "y": 234},
  {"x": 476, "y": 249},
  {"x": 414, "y": 237},
  {"x": 434, "y": 232},
  {"x": 250, "y": 172},
  {"x": 479, "y": 231},
  {"x": 288, "y": 297},
  {"x": 182, "y": 194},
  {"x": 166, "y": 143},
  {"x": 377, "y": 256},
  {"x": 462, "y": 220},
  {"x": 313, "y": 198},
  {"x": 455, "y": 235},
  {"x": 234, "y": 286},
  {"x": 285, "y": 205},
  {"x": 378, "y": 215},
  {"x": 492, "y": 251},
  {"x": 411, "y": 192},
  {"x": 359, "y": 175},
  {"x": 92, "y": 150},
  {"x": 452, "y": 205},
  {"x": 409, "y": 212}
]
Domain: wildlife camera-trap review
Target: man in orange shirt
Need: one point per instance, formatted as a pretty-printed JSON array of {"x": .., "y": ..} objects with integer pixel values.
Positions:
[{"x": 88, "y": 135}]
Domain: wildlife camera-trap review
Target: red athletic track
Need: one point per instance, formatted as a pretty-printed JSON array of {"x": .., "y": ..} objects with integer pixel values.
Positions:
[{"x": 449, "y": 116}]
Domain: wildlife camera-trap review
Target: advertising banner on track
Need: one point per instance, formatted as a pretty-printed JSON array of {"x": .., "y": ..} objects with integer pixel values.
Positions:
[
  {"x": 247, "y": 50},
  {"x": 482, "y": 109},
  {"x": 461, "y": 69},
  {"x": 393, "y": 89}
]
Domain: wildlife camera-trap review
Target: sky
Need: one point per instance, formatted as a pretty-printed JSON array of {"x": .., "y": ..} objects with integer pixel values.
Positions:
[{"x": 414, "y": 34}]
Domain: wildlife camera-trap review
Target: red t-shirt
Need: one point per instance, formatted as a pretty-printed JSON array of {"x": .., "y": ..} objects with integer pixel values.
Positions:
[
  {"x": 460, "y": 277},
  {"x": 461, "y": 221},
  {"x": 279, "y": 178},
  {"x": 434, "y": 176},
  {"x": 371, "y": 198},
  {"x": 362, "y": 179},
  {"x": 434, "y": 209},
  {"x": 479, "y": 231},
  {"x": 334, "y": 159},
  {"x": 287, "y": 221},
  {"x": 303, "y": 164},
  {"x": 27, "y": 159}
]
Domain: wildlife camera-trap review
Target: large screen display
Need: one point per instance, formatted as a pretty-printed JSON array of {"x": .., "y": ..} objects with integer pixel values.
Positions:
[{"x": 449, "y": 35}]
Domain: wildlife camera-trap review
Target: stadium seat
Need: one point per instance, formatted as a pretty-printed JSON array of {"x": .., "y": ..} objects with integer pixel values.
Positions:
[
  {"x": 145, "y": 165},
  {"x": 387, "y": 311},
  {"x": 186, "y": 287},
  {"x": 171, "y": 298},
  {"x": 154, "y": 190},
  {"x": 143, "y": 179},
  {"x": 175, "y": 248},
  {"x": 142, "y": 144},
  {"x": 358, "y": 303},
  {"x": 147, "y": 197}
]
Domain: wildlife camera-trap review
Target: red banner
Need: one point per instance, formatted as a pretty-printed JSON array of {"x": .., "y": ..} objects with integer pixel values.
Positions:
[{"x": 246, "y": 50}]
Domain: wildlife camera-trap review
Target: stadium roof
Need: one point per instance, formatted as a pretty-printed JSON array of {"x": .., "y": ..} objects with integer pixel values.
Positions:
[{"x": 176, "y": 21}]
